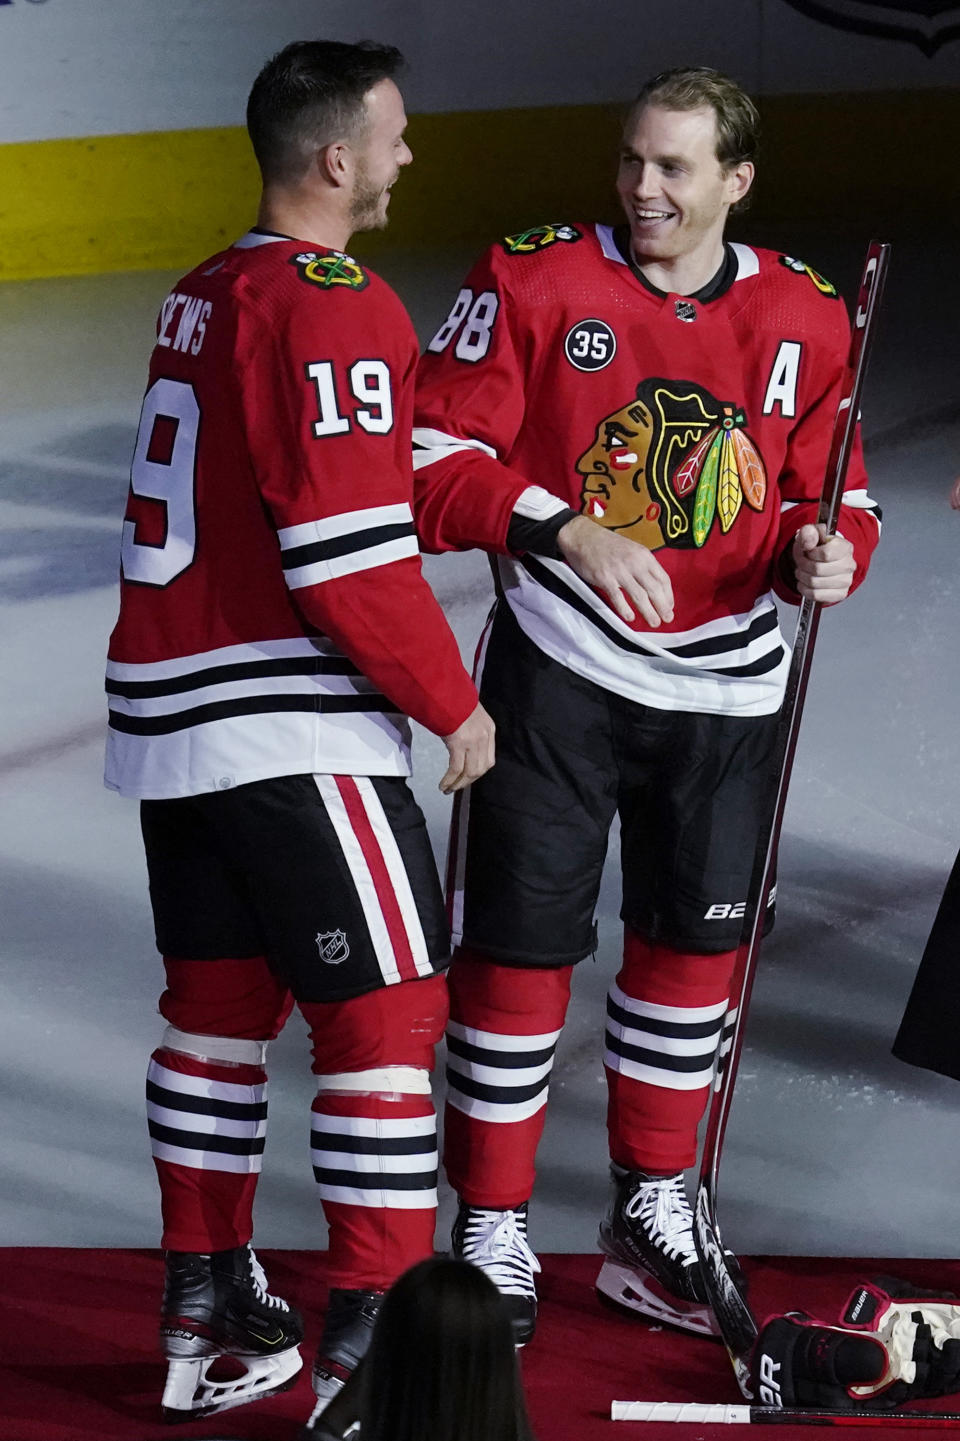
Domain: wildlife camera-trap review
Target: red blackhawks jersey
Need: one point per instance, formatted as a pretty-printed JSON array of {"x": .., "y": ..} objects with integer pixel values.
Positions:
[
  {"x": 273, "y": 615},
  {"x": 700, "y": 428}
]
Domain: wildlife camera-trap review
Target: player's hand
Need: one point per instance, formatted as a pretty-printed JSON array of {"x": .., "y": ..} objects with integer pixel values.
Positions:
[
  {"x": 955, "y": 494},
  {"x": 824, "y": 564},
  {"x": 471, "y": 751},
  {"x": 630, "y": 576}
]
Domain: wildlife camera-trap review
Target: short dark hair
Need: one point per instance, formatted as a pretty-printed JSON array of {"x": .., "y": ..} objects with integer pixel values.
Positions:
[
  {"x": 695, "y": 87},
  {"x": 309, "y": 94},
  {"x": 469, "y": 1387}
]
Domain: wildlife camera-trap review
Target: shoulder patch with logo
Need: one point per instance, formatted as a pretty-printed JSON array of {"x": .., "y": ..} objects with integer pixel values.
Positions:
[
  {"x": 330, "y": 270},
  {"x": 526, "y": 242},
  {"x": 799, "y": 267}
]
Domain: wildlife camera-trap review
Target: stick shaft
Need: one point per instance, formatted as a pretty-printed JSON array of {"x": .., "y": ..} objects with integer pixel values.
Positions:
[
  {"x": 777, "y": 1415},
  {"x": 737, "y": 1324}
]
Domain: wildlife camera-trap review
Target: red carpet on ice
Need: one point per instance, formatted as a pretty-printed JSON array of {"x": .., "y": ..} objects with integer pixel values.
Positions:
[{"x": 78, "y": 1358}]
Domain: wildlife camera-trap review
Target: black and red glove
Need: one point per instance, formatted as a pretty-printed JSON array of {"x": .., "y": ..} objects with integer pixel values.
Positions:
[{"x": 893, "y": 1344}]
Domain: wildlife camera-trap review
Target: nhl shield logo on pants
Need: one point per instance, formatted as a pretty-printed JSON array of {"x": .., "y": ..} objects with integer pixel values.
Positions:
[{"x": 333, "y": 947}]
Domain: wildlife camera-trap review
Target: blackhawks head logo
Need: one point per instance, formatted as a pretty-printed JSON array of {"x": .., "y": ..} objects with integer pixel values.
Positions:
[
  {"x": 525, "y": 242},
  {"x": 330, "y": 270},
  {"x": 671, "y": 463}
]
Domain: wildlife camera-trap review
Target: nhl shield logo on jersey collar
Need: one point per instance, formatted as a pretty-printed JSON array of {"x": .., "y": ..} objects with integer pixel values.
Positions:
[
  {"x": 928, "y": 26},
  {"x": 333, "y": 947}
]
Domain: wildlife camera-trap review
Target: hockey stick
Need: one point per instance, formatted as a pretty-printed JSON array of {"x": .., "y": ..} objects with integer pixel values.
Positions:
[
  {"x": 735, "y": 1320},
  {"x": 776, "y": 1415}
]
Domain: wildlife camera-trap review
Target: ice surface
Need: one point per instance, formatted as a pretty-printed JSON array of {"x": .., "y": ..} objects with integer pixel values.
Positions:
[{"x": 833, "y": 1146}]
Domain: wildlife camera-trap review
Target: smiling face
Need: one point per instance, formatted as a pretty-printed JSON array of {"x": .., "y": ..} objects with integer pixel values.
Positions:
[
  {"x": 615, "y": 491},
  {"x": 673, "y": 189},
  {"x": 379, "y": 153}
]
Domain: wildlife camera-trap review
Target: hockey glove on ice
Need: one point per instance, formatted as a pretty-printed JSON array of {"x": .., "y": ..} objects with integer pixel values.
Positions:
[{"x": 891, "y": 1346}]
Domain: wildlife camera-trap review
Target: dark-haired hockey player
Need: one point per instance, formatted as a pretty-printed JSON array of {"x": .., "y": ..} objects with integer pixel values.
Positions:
[
  {"x": 637, "y": 419},
  {"x": 275, "y": 633}
]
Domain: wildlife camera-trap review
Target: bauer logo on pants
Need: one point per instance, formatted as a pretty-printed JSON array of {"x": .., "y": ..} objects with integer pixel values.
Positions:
[{"x": 333, "y": 947}]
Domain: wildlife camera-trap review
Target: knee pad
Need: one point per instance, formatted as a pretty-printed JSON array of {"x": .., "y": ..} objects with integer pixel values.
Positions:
[
  {"x": 661, "y": 975},
  {"x": 514, "y": 999},
  {"x": 393, "y": 1026},
  {"x": 225, "y": 997}
]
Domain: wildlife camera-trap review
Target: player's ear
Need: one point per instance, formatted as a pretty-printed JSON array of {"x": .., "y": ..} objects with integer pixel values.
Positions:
[
  {"x": 335, "y": 162},
  {"x": 739, "y": 179}
]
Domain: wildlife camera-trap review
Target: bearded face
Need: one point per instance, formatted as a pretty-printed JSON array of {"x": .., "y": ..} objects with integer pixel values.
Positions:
[{"x": 380, "y": 151}]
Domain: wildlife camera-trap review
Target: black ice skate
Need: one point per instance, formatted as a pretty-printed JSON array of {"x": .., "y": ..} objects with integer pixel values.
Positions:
[
  {"x": 653, "y": 1268},
  {"x": 216, "y": 1306},
  {"x": 346, "y": 1338},
  {"x": 496, "y": 1241}
]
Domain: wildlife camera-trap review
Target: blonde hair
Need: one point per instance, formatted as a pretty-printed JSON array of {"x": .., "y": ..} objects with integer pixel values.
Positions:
[{"x": 697, "y": 87}]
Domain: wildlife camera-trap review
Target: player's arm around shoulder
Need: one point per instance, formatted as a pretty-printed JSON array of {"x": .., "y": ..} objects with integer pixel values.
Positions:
[
  {"x": 472, "y": 399},
  {"x": 812, "y": 564},
  {"x": 471, "y": 395}
]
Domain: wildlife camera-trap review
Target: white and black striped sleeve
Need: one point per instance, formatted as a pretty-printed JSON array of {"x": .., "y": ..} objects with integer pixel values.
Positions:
[{"x": 339, "y": 545}]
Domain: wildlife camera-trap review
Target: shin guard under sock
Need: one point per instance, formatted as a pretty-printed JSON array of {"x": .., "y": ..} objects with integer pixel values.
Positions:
[
  {"x": 503, "y": 1030},
  {"x": 665, "y": 1016}
]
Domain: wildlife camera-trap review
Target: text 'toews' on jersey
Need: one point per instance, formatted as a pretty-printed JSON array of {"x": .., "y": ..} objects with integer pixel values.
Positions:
[
  {"x": 698, "y": 427},
  {"x": 274, "y": 619}
]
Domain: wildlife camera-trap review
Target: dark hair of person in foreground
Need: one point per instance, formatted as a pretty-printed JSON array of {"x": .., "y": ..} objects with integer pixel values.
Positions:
[
  {"x": 441, "y": 1365},
  {"x": 310, "y": 93}
]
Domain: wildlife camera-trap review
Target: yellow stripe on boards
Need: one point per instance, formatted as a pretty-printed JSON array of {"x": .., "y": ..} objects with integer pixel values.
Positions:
[
  {"x": 122, "y": 202},
  {"x": 167, "y": 199}
]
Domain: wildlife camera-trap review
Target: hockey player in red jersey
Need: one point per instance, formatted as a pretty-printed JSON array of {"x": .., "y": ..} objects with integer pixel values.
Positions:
[
  {"x": 275, "y": 633},
  {"x": 637, "y": 419}
]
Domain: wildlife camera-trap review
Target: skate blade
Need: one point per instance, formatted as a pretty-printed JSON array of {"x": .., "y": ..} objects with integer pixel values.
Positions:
[
  {"x": 635, "y": 1291},
  {"x": 191, "y": 1392}
]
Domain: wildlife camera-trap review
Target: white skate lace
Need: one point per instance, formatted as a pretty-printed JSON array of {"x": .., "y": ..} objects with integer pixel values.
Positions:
[
  {"x": 259, "y": 1278},
  {"x": 662, "y": 1209},
  {"x": 496, "y": 1242}
]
